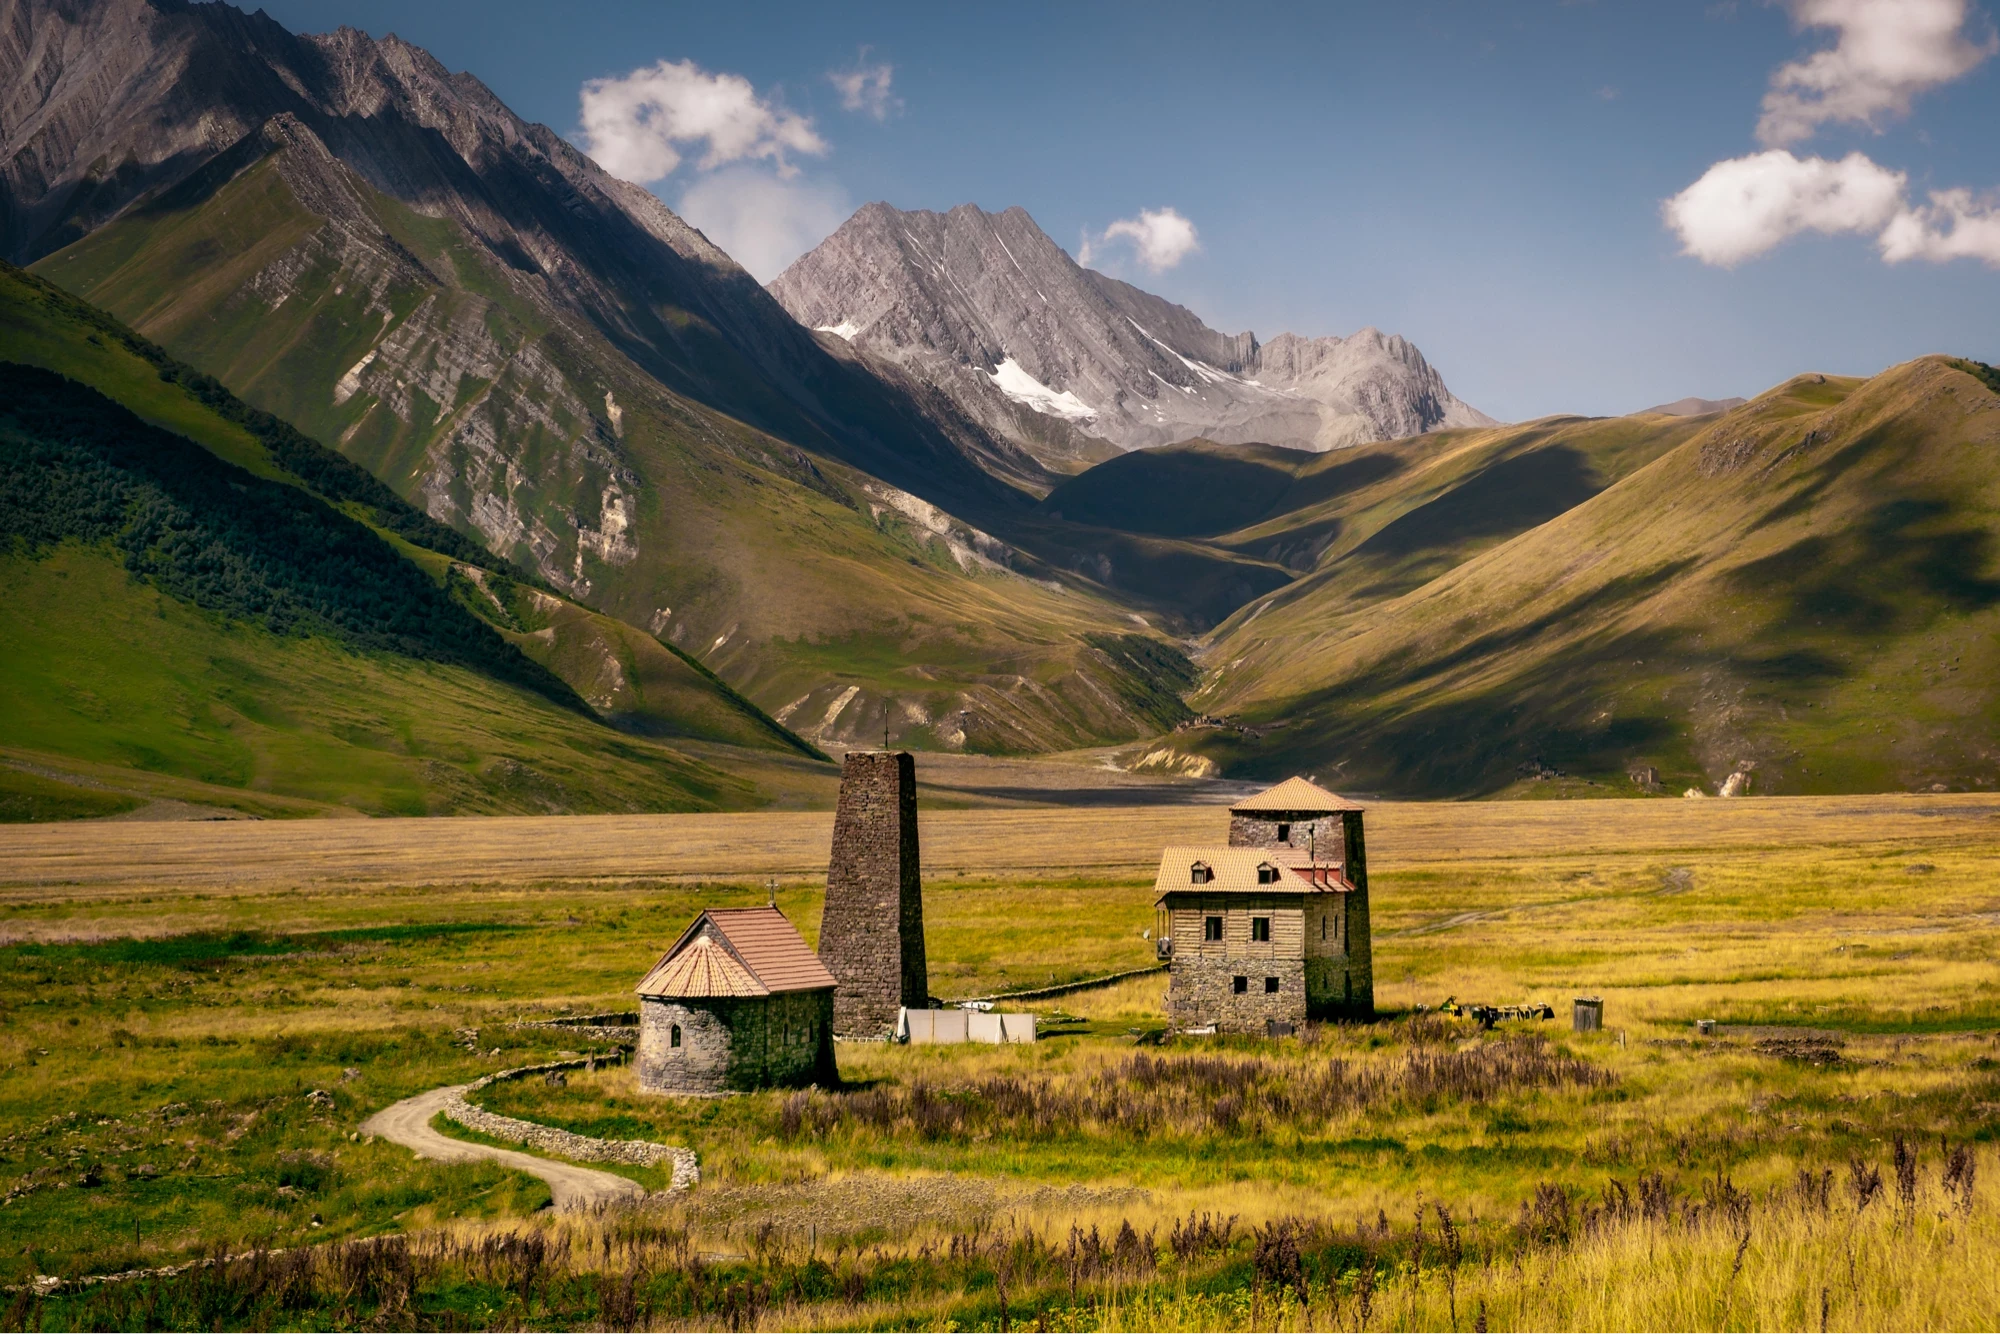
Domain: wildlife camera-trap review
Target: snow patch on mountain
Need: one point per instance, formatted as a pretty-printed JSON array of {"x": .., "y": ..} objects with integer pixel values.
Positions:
[{"x": 1026, "y": 390}]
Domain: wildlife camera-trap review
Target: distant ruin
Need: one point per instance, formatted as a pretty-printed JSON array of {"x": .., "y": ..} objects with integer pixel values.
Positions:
[{"x": 871, "y": 937}]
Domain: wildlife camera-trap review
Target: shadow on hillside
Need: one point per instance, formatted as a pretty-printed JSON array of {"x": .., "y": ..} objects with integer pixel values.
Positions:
[
  {"x": 1894, "y": 570},
  {"x": 1198, "y": 493},
  {"x": 1510, "y": 497}
]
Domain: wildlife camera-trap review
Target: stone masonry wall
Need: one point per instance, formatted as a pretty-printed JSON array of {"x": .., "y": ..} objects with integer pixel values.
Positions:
[
  {"x": 1202, "y": 991},
  {"x": 735, "y": 1044},
  {"x": 564, "y": 1143},
  {"x": 1320, "y": 835},
  {"x": 1360, "y": 943},
  {"x": 871, "y": 936},
  {"x": 701, "y": 1063}
]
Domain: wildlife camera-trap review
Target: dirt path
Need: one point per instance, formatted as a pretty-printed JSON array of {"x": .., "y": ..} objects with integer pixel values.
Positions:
[{"x": 408, "y": 1123}]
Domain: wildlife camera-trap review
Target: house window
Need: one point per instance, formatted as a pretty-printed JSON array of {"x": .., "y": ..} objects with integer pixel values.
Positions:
[
  {"x": 1322, "y": 926},
  {"x": 1284, "y": 833},
  {"x": 1211, "y": 928},
  {"x": 674, "y": 1036},
  {"x": 1267, "y": 874},
  {"x": 1200, "y": 874},
  {"x": 1239, "y": 985},
  {"x": 1260, "y": 928},
  {"x": 1270, "y": 986}
]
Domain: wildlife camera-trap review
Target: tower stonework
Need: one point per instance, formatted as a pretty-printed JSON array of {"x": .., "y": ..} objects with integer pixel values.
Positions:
[{"x": 871, "y": 937}]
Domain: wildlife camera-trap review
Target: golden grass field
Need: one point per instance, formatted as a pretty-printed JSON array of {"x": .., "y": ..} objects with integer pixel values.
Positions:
[{"x": 174, "y": 991}]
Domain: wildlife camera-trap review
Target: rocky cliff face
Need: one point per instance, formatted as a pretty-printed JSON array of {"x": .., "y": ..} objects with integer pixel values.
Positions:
[{"x": 1062, "y": 360}]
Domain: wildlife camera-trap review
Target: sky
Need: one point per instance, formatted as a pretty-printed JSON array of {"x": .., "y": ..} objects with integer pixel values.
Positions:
[{"x": 1568, "y": 207}]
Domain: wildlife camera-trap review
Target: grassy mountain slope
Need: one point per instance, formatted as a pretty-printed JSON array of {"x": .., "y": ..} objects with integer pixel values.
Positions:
[
  {"x": 188, "y": 620},
  {"x": 106, "y": 670},
  {"x": 1807, "y": 586},
  {"x": 1375, "y": 518},
  {"x": 635, "y": 681},
  {"x": 393, "y": 335}
]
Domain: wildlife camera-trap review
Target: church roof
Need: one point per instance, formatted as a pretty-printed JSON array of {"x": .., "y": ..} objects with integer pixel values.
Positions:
[
  {"x": 1234, "y": 871},
  {"x": 1295, "y": 796},
  {"x": 743, "y": 952}
]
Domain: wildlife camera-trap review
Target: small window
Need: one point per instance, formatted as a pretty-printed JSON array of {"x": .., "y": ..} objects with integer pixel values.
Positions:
[
  {"x": 1270, "y": 986},
  {"x": 1284, "y": 833},
  {"x": 1239, "y": 985},
  {"x": 1267, "y": 874},
  {"x": 1211, "y": 928},
  {"x": 674, "y": 1036},
  {"x": 1200, "y": 874},
  {"x": 1322, "y": 926},
  {"x": 1260, "y": 928}
]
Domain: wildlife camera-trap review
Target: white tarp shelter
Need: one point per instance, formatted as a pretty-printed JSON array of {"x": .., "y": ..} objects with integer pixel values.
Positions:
[{"x": 921, "y": 1026}]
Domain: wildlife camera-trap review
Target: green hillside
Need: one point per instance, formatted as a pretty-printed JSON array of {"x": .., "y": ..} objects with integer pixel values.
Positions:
[
  {"x": 107, "y": 672},
  {"x": 665, "y": 693},
  {"x": 190, "y": 618},
  {"x": 793, "y": 575},
  {"x": 1806, "y": 587}
]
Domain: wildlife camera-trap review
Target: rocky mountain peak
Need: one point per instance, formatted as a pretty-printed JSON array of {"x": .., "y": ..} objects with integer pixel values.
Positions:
[{"x": 1066, "y": 361}]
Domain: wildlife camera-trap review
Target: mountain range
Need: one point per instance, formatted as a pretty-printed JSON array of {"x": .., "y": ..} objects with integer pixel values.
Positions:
[
  {"x": 939, "y": 485},
  {"x": 1064, "y": 361},
  {"x": 376, "y": 250}
]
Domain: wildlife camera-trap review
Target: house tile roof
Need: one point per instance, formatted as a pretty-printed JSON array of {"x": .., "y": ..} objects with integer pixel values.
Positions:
[
  {"x": 744, "y": 952},
  {"x": 1294, "y": 795},
  {"x": 1234, "y": 871}
]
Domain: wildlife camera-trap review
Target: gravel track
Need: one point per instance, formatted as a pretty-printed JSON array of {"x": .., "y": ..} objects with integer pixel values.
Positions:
[{"x": 408, "y": 1123}]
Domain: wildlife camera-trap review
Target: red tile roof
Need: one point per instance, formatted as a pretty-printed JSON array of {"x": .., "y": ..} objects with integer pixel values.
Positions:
[{"x": 745, "y": 952}]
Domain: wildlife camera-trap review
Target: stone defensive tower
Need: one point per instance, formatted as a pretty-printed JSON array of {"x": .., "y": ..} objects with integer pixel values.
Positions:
[{"x": 871, "y": 937}]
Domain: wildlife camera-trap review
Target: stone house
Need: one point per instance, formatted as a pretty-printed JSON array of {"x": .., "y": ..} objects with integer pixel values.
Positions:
[
  {"x": 739, "y": 1002},
  {"x": 1272, "y": 928}
]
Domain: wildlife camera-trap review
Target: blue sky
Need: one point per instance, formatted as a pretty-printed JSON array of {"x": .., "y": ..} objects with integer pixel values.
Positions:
[{"x": 1484, "y": 178}]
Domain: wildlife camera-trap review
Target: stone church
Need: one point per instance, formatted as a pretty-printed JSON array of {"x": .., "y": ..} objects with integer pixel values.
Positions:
[
  {"x": 739, "y": 1002},
  {"x": 1272, "y": 928}
]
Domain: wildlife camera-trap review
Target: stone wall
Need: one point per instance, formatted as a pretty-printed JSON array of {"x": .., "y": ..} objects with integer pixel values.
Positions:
[
  {"x": 871, "y": 935},
  {"x": 700, "y": 1064},
  {"x": 1360, "y": 940},
  {"x": 1202, "y": 991},
  {"x": 1321, "y": 835},
  {"x": 564, "y": 1143},
  {"x": 735, "y": 1044}
]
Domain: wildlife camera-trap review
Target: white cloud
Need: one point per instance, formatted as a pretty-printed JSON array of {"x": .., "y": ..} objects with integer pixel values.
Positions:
[
  {"x": 1161, "y": 238},
  {"x": 1952, "y": 226},
  {"x": 865, "y": 88},
  {"x": 764, "y": 221},
  {"x": 1887, "y": 52},
  {"x": 1743, "y": 207},
  {"x": 638, "y": 126}
]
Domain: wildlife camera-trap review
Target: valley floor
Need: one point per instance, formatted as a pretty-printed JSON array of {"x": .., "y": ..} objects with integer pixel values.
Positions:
[{"x": 199, "y": 1017}]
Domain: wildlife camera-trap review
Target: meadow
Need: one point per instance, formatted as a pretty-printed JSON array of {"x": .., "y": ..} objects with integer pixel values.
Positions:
[{"x": 195, "y": 1020}]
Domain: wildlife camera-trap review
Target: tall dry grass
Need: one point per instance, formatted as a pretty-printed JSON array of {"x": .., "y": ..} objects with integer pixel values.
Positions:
[{"x": 1907, "y": 1243}]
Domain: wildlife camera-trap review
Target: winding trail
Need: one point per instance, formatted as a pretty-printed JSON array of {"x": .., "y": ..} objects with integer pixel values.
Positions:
[{"x": 408, "y": 1123}]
